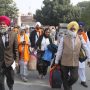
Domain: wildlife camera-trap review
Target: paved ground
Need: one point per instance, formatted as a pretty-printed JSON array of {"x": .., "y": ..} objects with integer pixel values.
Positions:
[{"x": 36, "y": 84}]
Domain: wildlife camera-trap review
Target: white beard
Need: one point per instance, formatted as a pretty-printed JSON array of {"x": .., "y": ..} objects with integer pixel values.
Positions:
[
  {"x": 3, "y": 30},
  {"x": 72, "y": 34}
]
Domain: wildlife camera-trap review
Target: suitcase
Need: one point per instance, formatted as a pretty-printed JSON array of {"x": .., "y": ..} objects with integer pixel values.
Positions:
[{"x": 55, "y": 77}]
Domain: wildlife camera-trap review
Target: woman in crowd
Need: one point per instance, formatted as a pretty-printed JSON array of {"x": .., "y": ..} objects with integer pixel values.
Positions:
[{"x": 42, "y": 44}]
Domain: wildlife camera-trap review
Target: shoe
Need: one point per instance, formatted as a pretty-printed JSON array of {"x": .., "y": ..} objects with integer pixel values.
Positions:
[
  {"x": 84, "y": 84},
  {"x": 40, "y": 76},
  {"x": 11, "y": 88},
  {"x": 24, "y": 79},
  {"x": 43, "y": 77},
  {"x": 70, "y": 87}
]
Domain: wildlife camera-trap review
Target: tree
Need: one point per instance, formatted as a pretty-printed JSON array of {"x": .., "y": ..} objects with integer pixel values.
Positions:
[
  {"x": 8, "y": 8},
  {"x": 85, "y": 12},
  {"x": 83, "y": 4},
  {"x": 55, "y": 11}
]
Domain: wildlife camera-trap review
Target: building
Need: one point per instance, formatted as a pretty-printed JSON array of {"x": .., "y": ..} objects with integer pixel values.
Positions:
[{"x": 25, "y": 19}]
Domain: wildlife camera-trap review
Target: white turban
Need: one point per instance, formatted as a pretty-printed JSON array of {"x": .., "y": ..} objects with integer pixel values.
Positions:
[{"x": 38, "y": 23}]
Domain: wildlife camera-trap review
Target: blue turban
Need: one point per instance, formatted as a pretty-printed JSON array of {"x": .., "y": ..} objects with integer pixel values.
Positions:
[{"x": 82, "y": 24}]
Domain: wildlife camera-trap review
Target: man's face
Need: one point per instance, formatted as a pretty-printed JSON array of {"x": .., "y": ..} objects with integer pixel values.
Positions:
[
  {"x": 22, "y": 32},
  {"x": 81, "y": 29},
  {"x": 37, "y": 27},
  {"x": 3, "y": 25},
  {"x": 72, "y": 29}
]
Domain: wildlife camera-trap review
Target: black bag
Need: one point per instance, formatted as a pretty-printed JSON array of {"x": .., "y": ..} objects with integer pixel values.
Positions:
[
  {"x": 39, "y": 59},
  {"x": 52, "y": 47},
  {"x": 55, "y": 78},
  {"x": 82, "y": 55}
]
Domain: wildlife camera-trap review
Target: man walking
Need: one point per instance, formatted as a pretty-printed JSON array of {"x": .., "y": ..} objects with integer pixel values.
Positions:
[
  {"x": 81, "y": 69},
  {"x": 8, "y": 53},
  {"x": 68, "y": 53}
]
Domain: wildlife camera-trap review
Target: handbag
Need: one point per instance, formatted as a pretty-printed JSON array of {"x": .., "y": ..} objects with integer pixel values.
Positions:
[
  {"x": 52, "y": 47},
  {"x": 39, "y": 59},
  {"x": 82, "y": 55},
  {"x": 47, "y": 56},
  {"x": 55, "y": 77},
  {"x": 32, "y": 63}
]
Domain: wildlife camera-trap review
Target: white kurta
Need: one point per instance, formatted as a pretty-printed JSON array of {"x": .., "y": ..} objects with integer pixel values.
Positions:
[
  {"x": 82, "y": 65},
  {"x": 86, "y": 45},
  {"x": 81, "y": 70},
  {"x": 45, "y": 42}
]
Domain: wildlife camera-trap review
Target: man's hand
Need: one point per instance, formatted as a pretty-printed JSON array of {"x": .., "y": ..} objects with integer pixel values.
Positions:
[
  {"x": 88, "y": 63},
  {"x": 25, "y": 63},
  {"x": 56, "y": 65},
  {"x": 24, "y": 42},
  {"x": 17, "y": 64}
]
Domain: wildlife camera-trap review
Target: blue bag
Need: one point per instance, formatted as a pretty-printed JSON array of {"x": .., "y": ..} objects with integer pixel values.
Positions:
[{"x": 47, "y": 56}]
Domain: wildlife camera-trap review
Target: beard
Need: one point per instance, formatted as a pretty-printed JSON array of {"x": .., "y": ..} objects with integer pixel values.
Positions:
[
  {"x": 3, "y": 30},
  {"x": 72, "y": 34}
]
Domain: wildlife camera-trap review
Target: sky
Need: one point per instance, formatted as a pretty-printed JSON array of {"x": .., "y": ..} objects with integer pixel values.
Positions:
[{"x": 26, "y": 6}]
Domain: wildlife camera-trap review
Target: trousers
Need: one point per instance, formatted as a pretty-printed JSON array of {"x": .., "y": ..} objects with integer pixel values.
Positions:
[
  {"x": 82, "y": 76},
  {"x": 69, "y": 76},
  {"x": 7, "y": 72}
]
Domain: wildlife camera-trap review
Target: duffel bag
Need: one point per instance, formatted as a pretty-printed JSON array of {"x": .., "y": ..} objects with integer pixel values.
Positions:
[{"x": 55, "y": 77}]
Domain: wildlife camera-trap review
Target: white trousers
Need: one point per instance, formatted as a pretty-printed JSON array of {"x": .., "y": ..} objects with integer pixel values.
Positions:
[
  {"x": 82, "y": 74},
  {"x": 23, "y": 68}
]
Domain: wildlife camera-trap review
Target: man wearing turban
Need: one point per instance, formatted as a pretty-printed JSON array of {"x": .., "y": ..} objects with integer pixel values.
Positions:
[
  {"x": 81, "y": 70},
  {"x": 35, "y": 34},
  {"x": 8, "y": 53},
  {"x": 68, "y": 54}
]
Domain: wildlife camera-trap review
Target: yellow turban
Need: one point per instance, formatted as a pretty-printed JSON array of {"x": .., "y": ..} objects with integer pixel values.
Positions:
[{"x": 73, "y": 24}]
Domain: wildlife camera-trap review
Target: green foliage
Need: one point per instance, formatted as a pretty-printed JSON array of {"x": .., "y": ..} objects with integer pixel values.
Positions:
[
  {"x": 85, "y": 12},
  {"x": 8, "y": 8},
  {"x": 83, "y": 4},
  {"x": 55, "y": 11}
]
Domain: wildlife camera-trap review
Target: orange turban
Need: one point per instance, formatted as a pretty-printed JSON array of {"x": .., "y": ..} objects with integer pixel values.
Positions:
[{"x": 5, "y": 19}]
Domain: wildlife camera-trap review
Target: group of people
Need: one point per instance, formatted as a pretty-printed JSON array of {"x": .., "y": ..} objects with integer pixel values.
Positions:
[{"x": 16, "y": 45}]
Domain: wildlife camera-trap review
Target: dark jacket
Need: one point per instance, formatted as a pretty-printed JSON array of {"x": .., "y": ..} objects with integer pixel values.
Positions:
[
  {"x": 32, "y": 38},
  {"x": 10, "y": 53}
]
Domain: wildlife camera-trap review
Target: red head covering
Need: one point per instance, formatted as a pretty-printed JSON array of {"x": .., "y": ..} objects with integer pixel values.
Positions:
[{"x": 5, "y": 19}]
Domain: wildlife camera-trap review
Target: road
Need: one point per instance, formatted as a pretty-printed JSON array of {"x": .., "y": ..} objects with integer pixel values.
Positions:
[{"x": 37, "y": 84}]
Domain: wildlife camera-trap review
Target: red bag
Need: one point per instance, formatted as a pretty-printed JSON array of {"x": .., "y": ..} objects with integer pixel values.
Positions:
[{"x": 55, "y": 77}]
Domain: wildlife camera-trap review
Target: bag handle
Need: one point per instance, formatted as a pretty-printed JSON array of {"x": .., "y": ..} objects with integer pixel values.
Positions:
[{"x": 54, "y": 67}]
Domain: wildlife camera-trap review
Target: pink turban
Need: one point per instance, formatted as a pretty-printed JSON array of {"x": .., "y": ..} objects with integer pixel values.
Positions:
[{"x": 5, "y": 19}]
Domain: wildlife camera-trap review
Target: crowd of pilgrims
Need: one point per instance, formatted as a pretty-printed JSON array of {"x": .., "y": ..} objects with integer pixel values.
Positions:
[
  {"x": 23, "y": 49},
  {"x": 31, "y": 44}
]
